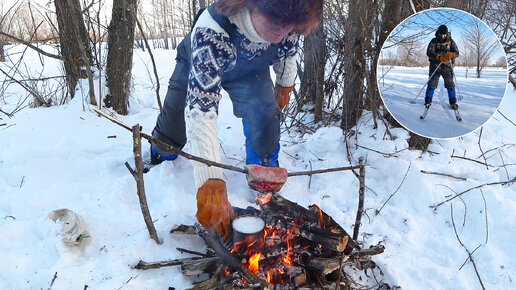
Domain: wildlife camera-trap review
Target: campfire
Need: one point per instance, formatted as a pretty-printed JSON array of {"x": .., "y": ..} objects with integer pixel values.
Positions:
[{"x": 281, "y": 246}]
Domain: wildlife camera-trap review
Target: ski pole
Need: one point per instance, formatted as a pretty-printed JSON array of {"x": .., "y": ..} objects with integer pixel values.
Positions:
[
  {"x": 414, "y": 100},
  {"x": 459, "y": 98}
]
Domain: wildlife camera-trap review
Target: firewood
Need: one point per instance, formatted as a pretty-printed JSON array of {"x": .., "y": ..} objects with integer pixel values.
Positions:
[
  {"x": 142, "y": 265},
  {"x": 199, "y": 266},
  {"x": 282, "y": 213},
  {"x": 183, "y": 229},
  {"x": 212, "y": 240}
]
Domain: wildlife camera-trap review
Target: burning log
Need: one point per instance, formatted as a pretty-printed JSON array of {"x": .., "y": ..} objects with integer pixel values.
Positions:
[
  {"x": 312, "y": 224},
  {"x": 199, "y": 266},
  {"x": 212, "y": 239}
]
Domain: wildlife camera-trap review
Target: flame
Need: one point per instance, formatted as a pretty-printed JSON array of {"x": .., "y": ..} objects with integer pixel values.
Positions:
[
  {"x": 227, "y": 271},
  {"x": 287, "y": 260},
  {"x": 280, "y": 271},
  {"x": 253, "y": 262},
  {"x": 264, "y": 198},
  {"x": 268, "y": 276},
  {"x": 236, "y": 247}
]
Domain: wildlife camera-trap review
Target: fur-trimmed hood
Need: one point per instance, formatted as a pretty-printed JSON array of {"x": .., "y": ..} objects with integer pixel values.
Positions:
[{"x": 304, "y": 14}]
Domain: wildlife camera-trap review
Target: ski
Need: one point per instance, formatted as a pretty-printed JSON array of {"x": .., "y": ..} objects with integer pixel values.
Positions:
[
  {"x": 457, "y": 115},
  {"x": 423, "y": 116}
]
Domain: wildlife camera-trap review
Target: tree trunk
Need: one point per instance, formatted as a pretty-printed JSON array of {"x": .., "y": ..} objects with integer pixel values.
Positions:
[
  {"x": 312, "y": 83},
  {"x": 2, "y": 53},
  {"x": 69, "y": 41},
  {"x": 120, "y": 54},
  {"x": 355, "y": 64}
]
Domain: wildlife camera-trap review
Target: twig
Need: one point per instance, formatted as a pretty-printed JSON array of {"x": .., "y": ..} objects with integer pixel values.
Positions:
[
  {"x": 399, "y": 186},
  {"x": 192, "y": 252},
  {"x": 506, "y": 118},
  {"x": 467, "y": 251},
  {"x": 361, "y": 191},
  {"x": 138, "y": 177},
  {"x": 480, "y": 147},
  {"x": 478, "y": 186},
  {"x": 469, "y": 159},
  {"x": 443, "y": 174},
  {"x": 485, "y": 213},
  {"x": 383, "y": 153},
  {"x": 142, "y": 265},
  {"x": 30, "y": 45},
  {"x": 153, "y": 63},
  {"x": 53, "y": 280},
  {"x": 324, "y": 170},
  {"x": 310, "y": 180}
]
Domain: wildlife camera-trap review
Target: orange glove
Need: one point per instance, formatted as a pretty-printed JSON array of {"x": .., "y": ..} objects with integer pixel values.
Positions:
[
  {"x": 445, "y": 57},
  {"x": 213, "y": 207},
  {"x": 282, "y": 95}
]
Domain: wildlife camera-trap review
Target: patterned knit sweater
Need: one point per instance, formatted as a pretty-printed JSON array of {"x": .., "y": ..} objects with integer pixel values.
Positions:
[{"x": 213, "y": 53}]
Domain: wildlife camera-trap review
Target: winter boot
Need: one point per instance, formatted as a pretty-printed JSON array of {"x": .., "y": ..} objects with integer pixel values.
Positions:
[
  {"x": 452, "y": 98},
  {"x": 158, "y": 155},
  {"x": 428, "y": 96}
]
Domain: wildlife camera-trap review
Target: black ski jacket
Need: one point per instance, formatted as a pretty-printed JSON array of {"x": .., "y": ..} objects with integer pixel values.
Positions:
[{"x": 439, "y": 46}]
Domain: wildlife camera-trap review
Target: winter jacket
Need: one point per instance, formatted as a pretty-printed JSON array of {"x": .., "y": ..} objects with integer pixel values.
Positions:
[
  {"x": 439, "y": 46},
  {"x": 220, "y": 54}
]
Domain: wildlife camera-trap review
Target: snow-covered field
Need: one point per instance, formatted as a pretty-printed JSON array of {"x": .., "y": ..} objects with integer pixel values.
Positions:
[
  {"x": 61, "y": 157},
  {"x": 480, "y": 99}
]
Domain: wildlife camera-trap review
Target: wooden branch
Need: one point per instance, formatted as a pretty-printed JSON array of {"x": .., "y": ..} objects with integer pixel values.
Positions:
[
  {"x": 506, "y": 118},
  {"x": 399, "y": 186},
  {"x": 443, "y": 174},
  {"x": 142, "y": 265},
  {"x": 192, "y": 252},
  {"x": 371, "y": 251},
  {"x": 478, "y": 186},
  {"x": 480, "y": 147},
  {"x": 323, "y": 170},
  {"x": 153, "y": 63},
  {"x": 140, "y": 187},
  {"x": 469, "y": 159},
  {"x": 31, "y": 91},
  {"x": 361, "y": 191},
  {"x": 39, "y": 50},
  {"x": 170, "y": 147},
  {"x": 209, "y": 162},
  {"x": 467, "y": 251}
]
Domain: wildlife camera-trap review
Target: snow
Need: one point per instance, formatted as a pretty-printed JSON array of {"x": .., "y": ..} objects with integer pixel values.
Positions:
[
  {"x": 248, "y": 224},
  {"x": 480, "y": 99},
  {"x": 61, "y": 157}
]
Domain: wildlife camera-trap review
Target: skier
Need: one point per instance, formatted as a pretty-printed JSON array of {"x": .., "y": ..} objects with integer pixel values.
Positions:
[
  {"x": 442, "y": 50},
  {"x": 231, "y": 46}
]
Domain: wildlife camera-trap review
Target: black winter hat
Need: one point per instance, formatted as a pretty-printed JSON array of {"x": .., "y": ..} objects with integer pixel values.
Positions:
[{"x": 442, "y": 29}]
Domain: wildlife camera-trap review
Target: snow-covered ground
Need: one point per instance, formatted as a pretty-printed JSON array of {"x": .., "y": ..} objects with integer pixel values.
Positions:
[
  {"x": 61, "y": 157},
  {"x": 480, "y": 99}
]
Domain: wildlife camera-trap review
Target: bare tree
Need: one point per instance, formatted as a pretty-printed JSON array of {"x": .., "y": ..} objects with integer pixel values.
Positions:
[
  {"x": 354, "y": 66},
  {"x": 120, "y": 54},
  {"x": 480, "y": 43},
  {"x": 72, "y": 36},
  {"x": 312, "y": 81},
  {"x": 2, "y": 38}
]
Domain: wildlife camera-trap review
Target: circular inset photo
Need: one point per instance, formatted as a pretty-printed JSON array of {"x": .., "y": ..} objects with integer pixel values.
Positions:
[{"x": 442, "y": 73}]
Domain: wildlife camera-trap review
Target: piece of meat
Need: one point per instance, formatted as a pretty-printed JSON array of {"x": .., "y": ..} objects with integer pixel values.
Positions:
[{"x": 266, "y": 179}]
